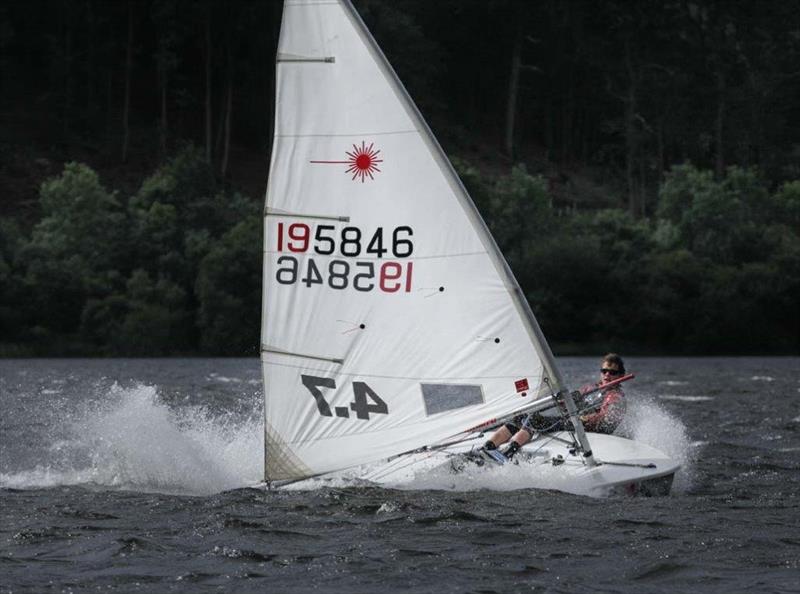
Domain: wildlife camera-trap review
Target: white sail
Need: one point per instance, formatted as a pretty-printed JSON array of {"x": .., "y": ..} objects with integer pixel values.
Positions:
[{"x": 390, "y": 319}]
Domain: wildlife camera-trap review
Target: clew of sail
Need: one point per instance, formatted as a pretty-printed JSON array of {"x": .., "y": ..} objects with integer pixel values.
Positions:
[{"x": 390, "y": 319}]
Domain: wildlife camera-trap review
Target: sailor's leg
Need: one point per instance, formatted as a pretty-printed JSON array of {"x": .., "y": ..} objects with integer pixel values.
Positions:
[
  {"x": 519, "y": 439},
  {"x": 500, "y": 436}
]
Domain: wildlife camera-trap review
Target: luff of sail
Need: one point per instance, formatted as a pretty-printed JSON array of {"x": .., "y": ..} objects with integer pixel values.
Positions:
[{"x": 390, "y": 319}]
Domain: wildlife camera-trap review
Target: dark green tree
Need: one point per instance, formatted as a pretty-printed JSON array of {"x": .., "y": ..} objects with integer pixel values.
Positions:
[
  {"x": 229, "y": 291},
  {"x": 78, "y": 249}
]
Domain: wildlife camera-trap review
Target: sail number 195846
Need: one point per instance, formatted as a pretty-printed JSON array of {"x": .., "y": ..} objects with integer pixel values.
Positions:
[{"x": 350, "y": 243}]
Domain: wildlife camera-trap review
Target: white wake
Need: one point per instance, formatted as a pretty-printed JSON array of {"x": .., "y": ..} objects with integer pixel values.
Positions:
[{"x": 132, "y": 440}]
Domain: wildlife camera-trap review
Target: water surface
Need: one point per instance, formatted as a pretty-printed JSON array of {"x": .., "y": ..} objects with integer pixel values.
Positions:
[{"x": 135, "y": 475}]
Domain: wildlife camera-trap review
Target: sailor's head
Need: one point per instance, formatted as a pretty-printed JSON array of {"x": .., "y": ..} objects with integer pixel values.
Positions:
[{"x": 611, "y": 367}]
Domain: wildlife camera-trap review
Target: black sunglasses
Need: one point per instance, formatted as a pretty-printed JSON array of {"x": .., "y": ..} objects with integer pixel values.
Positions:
[{"x": 611, "y": 371}]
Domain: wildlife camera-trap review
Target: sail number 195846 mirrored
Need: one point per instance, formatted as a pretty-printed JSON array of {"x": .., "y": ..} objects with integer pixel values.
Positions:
[{"x": 368, "y": 274}]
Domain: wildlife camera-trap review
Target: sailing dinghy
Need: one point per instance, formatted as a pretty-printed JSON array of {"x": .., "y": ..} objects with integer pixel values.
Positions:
[{"x": 392, "y": 328}]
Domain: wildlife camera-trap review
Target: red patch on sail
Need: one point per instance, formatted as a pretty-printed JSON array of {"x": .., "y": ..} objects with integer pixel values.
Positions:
[
  {"x": 361, "y": 161},
  {"x": 521, "y": 385}
]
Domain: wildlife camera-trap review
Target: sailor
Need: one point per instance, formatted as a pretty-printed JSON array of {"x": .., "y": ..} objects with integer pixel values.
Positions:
[{"x": 607, "y": 410}]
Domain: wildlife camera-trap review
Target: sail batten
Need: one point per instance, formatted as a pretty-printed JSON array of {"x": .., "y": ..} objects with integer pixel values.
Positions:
[
  {"x": 274, "y": 351},
  {"x": 299, "y": 215},
  {"x": 302, "y": 59},
  {"x": 411, "y": 289},
  {"x": 349, "y": 134}
]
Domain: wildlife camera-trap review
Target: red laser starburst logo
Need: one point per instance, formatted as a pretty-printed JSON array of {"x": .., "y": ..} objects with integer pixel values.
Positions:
[{"x": 361, "y": 161}]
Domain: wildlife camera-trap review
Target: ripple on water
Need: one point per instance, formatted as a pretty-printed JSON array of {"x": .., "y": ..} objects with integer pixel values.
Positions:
[{"x": 733, "y": 525}]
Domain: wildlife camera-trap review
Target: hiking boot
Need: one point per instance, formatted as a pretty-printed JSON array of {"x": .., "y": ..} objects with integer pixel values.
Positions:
[{"x": 512, "y": 449}]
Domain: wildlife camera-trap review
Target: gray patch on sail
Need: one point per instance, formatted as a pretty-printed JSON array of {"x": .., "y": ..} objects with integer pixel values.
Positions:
[{"x": 443, "y": 397}]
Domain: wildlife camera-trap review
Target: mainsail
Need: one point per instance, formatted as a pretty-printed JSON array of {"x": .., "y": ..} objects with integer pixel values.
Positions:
[{"x": 390, "y": 318}]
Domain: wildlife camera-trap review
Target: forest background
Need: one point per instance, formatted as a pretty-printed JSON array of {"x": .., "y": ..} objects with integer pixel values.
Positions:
[{"x": 637, "y": 162}]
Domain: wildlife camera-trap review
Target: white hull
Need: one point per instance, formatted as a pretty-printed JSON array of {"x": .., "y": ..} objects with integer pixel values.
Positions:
[{"x": 549, "y": 463}]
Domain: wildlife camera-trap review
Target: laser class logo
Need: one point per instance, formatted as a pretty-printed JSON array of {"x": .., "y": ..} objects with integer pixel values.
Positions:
[{"x": 361, "y": 161}]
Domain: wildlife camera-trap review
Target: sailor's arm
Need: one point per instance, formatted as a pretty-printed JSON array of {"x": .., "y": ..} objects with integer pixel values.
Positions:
[{"x": 610, "y": 411}]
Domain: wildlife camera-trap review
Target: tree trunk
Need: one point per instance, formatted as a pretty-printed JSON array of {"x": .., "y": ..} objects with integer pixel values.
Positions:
[
  {"x": 577, "y": 115},
  {"x": 163, "y": 127},
  {"x": 660, "y": 149},
  {"x": 513, "y": 91},
  {"x": 228, "y": 109},
  {"x": 67, "y": 58},
  {"x": 110, "y": 100},
  {"x": 208, "y": 83},
  {"x": 108, "y": 74},
  {"x": 163, "y": 56},
  {"x": 719, "y": 159},
  {"x": 642, "y": 189},
  {"x": 90, "y": 63},
  {"x": 547, "y": 124},
  {"x": 759, "y": 89},
  {"x": 219, "y": 136},
  {"x": 630, "y": 134},
  {"x": 567, "y": 121},
  {"x": 630, "y": 153},
  {"x": 126, "y": 108}
]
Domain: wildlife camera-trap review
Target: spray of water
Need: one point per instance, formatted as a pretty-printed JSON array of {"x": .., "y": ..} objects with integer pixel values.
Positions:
[
  {"x": 647, "y": 422},
  {"x": 132, "y": 440}
]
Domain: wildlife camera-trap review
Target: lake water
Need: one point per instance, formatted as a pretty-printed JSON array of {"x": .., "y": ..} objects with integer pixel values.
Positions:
[{"x": 135, "y": 475}]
